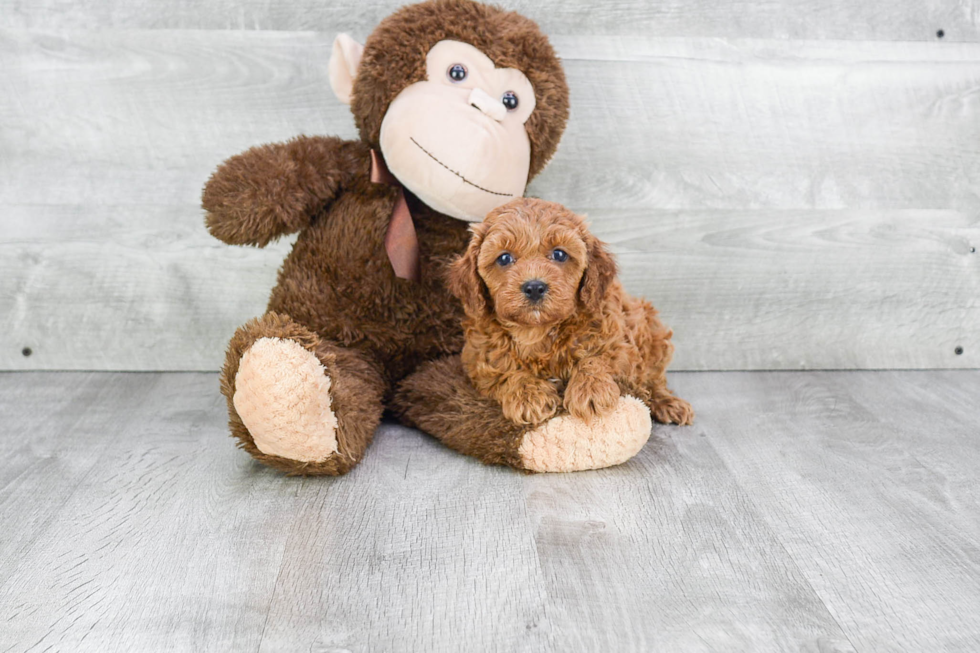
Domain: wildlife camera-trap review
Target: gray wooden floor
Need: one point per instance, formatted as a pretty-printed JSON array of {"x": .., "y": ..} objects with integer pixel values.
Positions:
[{"x": 821, "y": 511}]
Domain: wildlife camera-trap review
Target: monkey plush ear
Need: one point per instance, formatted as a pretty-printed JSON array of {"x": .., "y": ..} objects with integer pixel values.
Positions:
[
  {"x": 344, "y": 60},
  {"x": 464, "y": 278},
  {"x": 599, "y": 273}
]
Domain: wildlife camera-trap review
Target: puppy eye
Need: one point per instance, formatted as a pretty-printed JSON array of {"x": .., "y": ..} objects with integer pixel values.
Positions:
[
  {"x": 504, "y": 260},
  {"x": 457, "y": 72},
  {"x": 559, "y": 256}
]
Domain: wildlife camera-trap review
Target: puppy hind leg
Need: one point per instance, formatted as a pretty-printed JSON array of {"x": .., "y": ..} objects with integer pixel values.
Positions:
[
  {"x": 665, "y": 406},
  {"x": 653, "y": 340}
]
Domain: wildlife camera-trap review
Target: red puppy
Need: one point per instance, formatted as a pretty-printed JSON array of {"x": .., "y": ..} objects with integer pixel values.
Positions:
[{"x": 549, "y": 324}]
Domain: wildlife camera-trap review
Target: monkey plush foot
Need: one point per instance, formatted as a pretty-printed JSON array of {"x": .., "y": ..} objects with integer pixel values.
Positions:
[
  {"x": 568, "y": 444},
  {"x": 298, "y": 403},
  {"x": 282, "y": 394},
  {"x": 439, "y": 399}
]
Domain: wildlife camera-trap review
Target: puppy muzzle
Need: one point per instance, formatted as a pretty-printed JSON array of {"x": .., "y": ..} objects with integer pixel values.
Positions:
[{"x": 534, "y": 290}]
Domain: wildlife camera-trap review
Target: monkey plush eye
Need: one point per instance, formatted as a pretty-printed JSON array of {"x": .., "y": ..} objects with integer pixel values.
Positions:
[
  {"x": 504, "y": 260},
  {"x": 457, "y": 72},
  {"x": 510, "y": 100},
  {"x": 559, "y": 256}
]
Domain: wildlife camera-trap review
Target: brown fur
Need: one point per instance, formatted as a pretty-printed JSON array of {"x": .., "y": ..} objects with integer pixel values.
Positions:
[
  {"x": 440, "y": 400},
  {"x": 355, "y": 391},
  {"x": 577, "y": 345},
  {"x": 336, "y": 293}
]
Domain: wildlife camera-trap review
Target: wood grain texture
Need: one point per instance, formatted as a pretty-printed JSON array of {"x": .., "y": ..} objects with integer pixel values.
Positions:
[
  {"x": 742, "y": 290},
  {"x": 697, "y": 124},
  {"x": 906, "y": 20},
  {"x": 786, "y": 204},
  {"x": 140, "y": 527},
  {"x": 128, "y": 117},
  {"x": 807, "y": 289},
  {"x": 418, "y": 549},
  {"x": 665, "y": 553},
  {"x": 54, "y": 430},
  {"x": 869, "y": 481},
  {"x": 819, "y": 511},
  {"x": 124, "y": 287},
  {"x": 174, "y": 536},
  {"x": 143, "y": 117}
]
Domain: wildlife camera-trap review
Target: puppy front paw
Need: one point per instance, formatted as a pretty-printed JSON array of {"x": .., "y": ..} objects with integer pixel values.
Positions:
[
  {"x": 589, "y": 396},
  {"x": 531, "y": 403},
  {"x": 673, "y": 410}
]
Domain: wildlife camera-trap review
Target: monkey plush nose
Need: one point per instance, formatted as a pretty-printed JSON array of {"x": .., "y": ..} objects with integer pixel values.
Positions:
[
  {"x": 534, "y": 290},
  {"x": 489, "y": 105}
]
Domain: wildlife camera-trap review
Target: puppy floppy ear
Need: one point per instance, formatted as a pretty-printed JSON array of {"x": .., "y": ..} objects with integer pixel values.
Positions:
[
  {"x": 599, "y": 273},
  {"x": 464, "y": 277}
]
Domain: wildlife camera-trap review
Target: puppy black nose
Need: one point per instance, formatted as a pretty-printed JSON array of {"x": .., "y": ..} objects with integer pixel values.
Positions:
[{"x": 534, "y": 290}]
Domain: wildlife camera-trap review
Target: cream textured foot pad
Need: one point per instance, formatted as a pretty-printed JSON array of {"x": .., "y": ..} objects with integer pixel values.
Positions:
[
  {"x": 567, "y": 444},
  {"x": 282, "y": 394}
]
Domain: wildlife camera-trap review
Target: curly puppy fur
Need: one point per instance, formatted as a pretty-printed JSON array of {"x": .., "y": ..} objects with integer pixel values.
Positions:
[
  {"x": 337, "y": 295},
  {"x": 570, "y": 342}
]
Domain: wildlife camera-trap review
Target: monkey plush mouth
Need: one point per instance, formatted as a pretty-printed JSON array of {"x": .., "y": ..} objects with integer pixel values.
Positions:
[{"x": 465, "y": 180}]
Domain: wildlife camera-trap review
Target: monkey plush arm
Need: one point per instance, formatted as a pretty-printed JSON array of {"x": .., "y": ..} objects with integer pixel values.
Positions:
[{"x": 273, "y": 190}]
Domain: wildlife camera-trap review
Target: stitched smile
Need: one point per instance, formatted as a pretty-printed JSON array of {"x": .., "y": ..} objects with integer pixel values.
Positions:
[{"x": 465, "y": 180}]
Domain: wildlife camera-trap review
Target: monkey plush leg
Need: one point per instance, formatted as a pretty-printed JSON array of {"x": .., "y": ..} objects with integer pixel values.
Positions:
[
  {"x": 439, "y": 399},
  {"x": 296, "y": 403}
]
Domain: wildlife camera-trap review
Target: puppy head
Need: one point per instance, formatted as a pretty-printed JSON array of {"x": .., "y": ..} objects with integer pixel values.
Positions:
[{"x": 532, "y": 262}]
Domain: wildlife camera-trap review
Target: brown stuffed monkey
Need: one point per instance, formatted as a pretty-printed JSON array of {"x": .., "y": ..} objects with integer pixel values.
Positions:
[{"x": 458, "y": 105}]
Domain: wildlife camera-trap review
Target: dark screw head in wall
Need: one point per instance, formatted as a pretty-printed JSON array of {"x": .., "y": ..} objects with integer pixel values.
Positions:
[
  {"x": 958, "y": 351},
  {"x": 940, "y": 34},
  {"x": 26, "y": 351}
]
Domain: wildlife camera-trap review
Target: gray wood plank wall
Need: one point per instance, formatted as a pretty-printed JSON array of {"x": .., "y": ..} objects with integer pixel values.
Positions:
[{"x": 795, "y": 184}]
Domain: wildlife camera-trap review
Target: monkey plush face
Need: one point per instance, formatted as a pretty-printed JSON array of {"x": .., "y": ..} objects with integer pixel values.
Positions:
[
  {"x": 465, "y": 101},
  {"x": 457, "y": 138}
]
